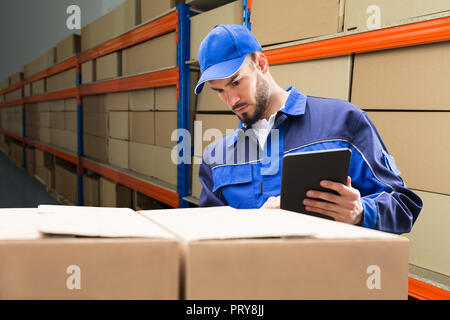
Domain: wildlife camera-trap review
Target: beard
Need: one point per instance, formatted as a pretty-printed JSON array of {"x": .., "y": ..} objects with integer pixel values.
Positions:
[{"x": 261, "y": 98}]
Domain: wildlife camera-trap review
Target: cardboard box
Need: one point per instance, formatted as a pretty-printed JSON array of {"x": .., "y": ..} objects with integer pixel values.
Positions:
[
  {"x": 26, "y": 90},
  {"x": 86, "y": 268},
  {"x": 118, "y": 21},
  {"x": 329, "y": 78},
  {"x": 208, "y": 99},
  {"x": 142, "y": 202},
  {"x": 162, "y": 49},
  {"x": 13, "y": 95},
  {"x": 41, "y": 63},
  {"x": 142, "y": 127},
  {"x": 56, "y": 106},
  {"x": 5, "y": 84},
  {"x": 15, "y": 78},
  {"x": 68, "y": 47},
  {"x": 369, "y": 15},
  {"x": 205, "y": 122},
  {"x": 30, "y": 161},
  {"x": 166, "y": 169},
  {"x": 91, "y": 190},
  {"x": 16, "y": 150},
  {"x": 275, "y": 254},
  {"x": 117, "y": 101},
  {"x": 273, "y": 23},
  {"x": 418, "y": 141},
  {"x": 165, "y": 125},
  {"x": 410, "y": 78},
  {"x": 203, "y": 23},
  {"x": 431, "y": 229},
  {"x": 142, "y": 100},
  {"x": 38, "y": 87},
  {"x": 43, "y": 106},
  {"x": 96, "y": 124},
  {"x": 57, "y": 120},
  {"x": 118, "y": 125},
  {"x": 66, "y": 181},
  {"x": 70, "y": 121},
  {"x": 142, "y": 158},
  {"x": 95, "y": 147},
  {"x": 166, "y": 98},
  {"x": 94, "y": 104},
  {"x": 64, "y": 80},
  {"x": 44, "y": 135},
  {"x": 151, "y": 9},
  {"x": 113, "y": 194},
  {"x": 64, "y": 139},
  {"x": 70, "y": 105},
  {"x": 88, "y": 72},
  {"x": 109, "y": 66},
  {"x": 118, "y": 153},
  {"x": 40, "y": 164},
  {"x": 196, "y": 188}
]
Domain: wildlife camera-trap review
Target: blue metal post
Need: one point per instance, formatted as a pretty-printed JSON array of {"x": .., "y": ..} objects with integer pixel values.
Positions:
[
  {"x": 183, "y": 53},
  {"x": 246, "y": 15},
  {"x": 80, "y": 151}
]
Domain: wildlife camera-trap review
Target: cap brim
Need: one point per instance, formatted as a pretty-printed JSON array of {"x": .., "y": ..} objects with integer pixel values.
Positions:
[{"x": 218, "y": 71}]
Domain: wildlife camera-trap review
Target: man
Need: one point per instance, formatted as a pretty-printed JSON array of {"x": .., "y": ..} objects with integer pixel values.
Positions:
[{"x": 238, "y": 170}]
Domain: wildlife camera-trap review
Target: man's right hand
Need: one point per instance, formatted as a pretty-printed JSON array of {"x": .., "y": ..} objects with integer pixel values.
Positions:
[{"x": 272, "y": 203}]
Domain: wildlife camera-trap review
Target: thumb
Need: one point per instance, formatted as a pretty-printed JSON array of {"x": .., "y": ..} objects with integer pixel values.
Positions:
[{"x": 349, "y": 181}]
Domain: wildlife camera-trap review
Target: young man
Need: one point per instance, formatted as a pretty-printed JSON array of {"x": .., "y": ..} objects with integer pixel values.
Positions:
[{"x": 238, "y": 170}]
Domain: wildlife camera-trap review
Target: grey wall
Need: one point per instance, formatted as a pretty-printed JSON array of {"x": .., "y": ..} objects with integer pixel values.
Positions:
[{"x": 28, "y": 28}]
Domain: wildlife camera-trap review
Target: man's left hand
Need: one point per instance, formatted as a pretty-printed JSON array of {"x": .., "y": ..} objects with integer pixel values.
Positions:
[{"x": 345, "y": 207}]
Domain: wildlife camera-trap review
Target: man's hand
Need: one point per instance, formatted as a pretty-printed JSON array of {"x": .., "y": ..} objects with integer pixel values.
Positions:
[
  {"x": 345, "y": 207},
  {"x": 272, "y": 203}
]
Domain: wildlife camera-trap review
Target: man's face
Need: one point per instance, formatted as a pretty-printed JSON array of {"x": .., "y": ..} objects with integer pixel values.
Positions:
[{"x": 246, "y": 93}]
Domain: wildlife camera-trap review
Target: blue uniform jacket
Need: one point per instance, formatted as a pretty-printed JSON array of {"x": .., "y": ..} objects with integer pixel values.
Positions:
[{"x": 235, "y": 173}]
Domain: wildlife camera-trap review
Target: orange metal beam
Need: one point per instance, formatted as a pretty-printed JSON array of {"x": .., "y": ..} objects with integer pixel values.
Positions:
[
  {"x": 60, "y": 67},
  {"x": 423, "y": 291},
  {"x": 148, "y": 80},
  {"x": 399, "y": 36},
  {"x": 12, "y": 88},
  {"x": 62, "y": 94},
  {"x": 169, "y": 197},
  {"x": 12, "y": 135},
  {"x": 58, "y": 153},
  {"x": 12, "y": 103},
  {"x": 145, "y": 32}
]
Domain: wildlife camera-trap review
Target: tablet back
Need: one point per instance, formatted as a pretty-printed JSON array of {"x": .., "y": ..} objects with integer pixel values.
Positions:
[{"x": 304, "y": 171}]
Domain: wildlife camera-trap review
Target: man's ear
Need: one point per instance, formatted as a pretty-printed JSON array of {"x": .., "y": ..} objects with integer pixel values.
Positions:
[{"x": 262, "y": 63}]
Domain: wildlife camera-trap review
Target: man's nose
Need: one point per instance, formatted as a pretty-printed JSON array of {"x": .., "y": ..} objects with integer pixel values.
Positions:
[{"x": 232, "y": 99}]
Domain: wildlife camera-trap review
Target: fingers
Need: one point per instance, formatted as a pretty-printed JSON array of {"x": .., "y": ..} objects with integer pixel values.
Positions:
[
  {"x": 272, "y": 203},
  {"x": 343, "y": 190},
  {"x": 323, "y": 206}
]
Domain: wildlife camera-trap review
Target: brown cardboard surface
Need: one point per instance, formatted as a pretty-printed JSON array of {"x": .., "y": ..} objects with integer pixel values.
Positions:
[
  {"x": 64, "y": 80},
  {"x": 26, "y": 89},
  {"x": 431, "y": 228},
  {"x": 49, "y": 269},
  {"x": 15, "y": 78},
  {"x": 165, "y": 125},
  {"x": 113, "y": 194},
  {"x": 41, "y": 63},
  {"x": 142, "y": 100},
  {"x": 13, "y": 95},
  {"x": 118, "y": 125},
  {"x": 39, "y": 164},
  {"x": 68, "y": 47},
  {"x": 142, "y": 158},
  {"x": 96, "y": 124},
  {"x": 118, "y": 153},
  {"x": 166, "y": 98},
  {"x": 109, "y": 66},
  {"x": 405, "y": 78},
  {"x": 95, "y": 147},
  {"x": 70, "y": 104},
  {"x": 91, "y": 191},
  {"x": 208, "y": 100},
  {"x": 203, "y": 23},
  {"x": 221, "y": 122},
  {"x": 70, "y": 121},
  {"x": 66, "y": 183},
  {"x": 329, "y": 78},
  {"x": 43, "y": 106},
  {"x": 419, "y": 142},
  {"x": 359, "y": 14},
  {"x": 166, "y": 170},
  {"x": 30, "y": 161},
  {"x": 5, "y": 84},
  {"x": 274, "y": 23},
  {"x": 38, "y": 87},
  {"x": 94, "y": 104},
  {"x": 151, "y": 9},
  {"x": 88, "y": 72},
  {"x": 118, "y": 21},
  {"x": 196, "y": 185},
  {"x": 142, "y": 127},
  {"x": 162, "y": 50},
  {"x": 64, "y": 139},
  {"x": 56, "y": 105},
  {"x": 117, "y": 101},
  {"x": 57, "y": 120},
  {"x": 44, "y": 135}
]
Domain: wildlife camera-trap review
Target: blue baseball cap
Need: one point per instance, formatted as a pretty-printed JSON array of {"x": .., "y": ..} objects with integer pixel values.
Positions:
[{"x": 223, "y": 51}]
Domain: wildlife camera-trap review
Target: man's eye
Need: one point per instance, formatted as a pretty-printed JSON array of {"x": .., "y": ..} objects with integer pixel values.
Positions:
[{"x": 236, "y": 83}]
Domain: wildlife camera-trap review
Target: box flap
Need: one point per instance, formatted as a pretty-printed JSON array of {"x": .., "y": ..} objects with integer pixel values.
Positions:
[
  {"x": 217, "y": 223},
  {"x": 97, "y": 222},
  {"x": 19, "y": 224}
]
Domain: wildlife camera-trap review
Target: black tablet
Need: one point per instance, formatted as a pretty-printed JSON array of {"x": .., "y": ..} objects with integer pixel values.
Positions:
[{"x": 304, "y": 171}]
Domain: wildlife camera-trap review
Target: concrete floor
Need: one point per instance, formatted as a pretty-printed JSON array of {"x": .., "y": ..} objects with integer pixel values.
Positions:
[{"x": 20, "y": 190}]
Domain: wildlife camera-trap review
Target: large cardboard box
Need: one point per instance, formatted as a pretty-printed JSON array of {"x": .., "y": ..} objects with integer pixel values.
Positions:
[
  {"x": 109, "y": 66},
  {"x": 26, "y": 90},
  {"x": 142, "y": 158},
  {"x": 96, "y": 124},
  {"x": 30, "y": 152},
  {"x": 66, "y": 181},
  {"x": 328, "y": 78},
  {"x": 142, "y": 127},
  {"x": 118, "y": 153},
  {"x": 5, "y": 84},
  {"x": 208, "y": 99},
  {"x": 70, "y": 105},
  {"x": 220, "y": 123},
  {"x": 274, "y": 22},
  {"x": 95, "y": 147},
  {"x": 16, "y": 78},
  {"x": 166, "y": 169},
  {"x": 88, "y": 72},
  {"x": 118, "y": 21},
  {"x": 369, "y": 14},
  {"x": 44, "y": 135},
  {"x": 38, "y": 87},
  {"x": 420, "y": 145},
  {"x": 142, "y": 100},
  {"x": 57, "y": 120},
  {"x": 117, "y": 101},
  {"x": 430, "y": 229},
  {"x": 94, "y": 104},
  {"x": 203, "y": 23},
  {"x": 68, "y": 47},
  {"x": 56, "y": 106},
  {"x": 41, "y": 63},
  {"x": 113, "y": 194},
  {"x": 70, "y": 121},
  {"x": 64, "y": 80},
  {"x": 13, "y": 95},
  {"x": 91, "y": 190},
  {"x": 276, "y": 254},
  {"x": 165, "y": 125},
  {"x": 44, "y": 119},
  {"x": 64, "y": 139},
  {"x": 162, "y": 50},
  {"x": 166, "y": 98},
  {"x": 196, "y": 187},
  {"x": 118, "y": 125},
  {"x": 405, "y": 78},
  {"x": 151, "y": 9},
  {"x": 132, "y": 259}
]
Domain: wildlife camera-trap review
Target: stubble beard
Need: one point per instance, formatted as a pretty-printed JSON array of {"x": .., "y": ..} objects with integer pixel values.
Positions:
[{"x": 261, "y": 98}]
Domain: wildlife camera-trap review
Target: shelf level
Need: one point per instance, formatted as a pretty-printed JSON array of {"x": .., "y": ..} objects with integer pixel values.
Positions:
[
  {"x": 61, "y": 94},
  {"x": 12, "y": 135},
  {"x": 60, "y": 67},
  {"x": 72, "y": 158},
  {"x": 12, "y": 88},
  {"x": 12, "y": 103},
  {"x": 423, "y": 291}
]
